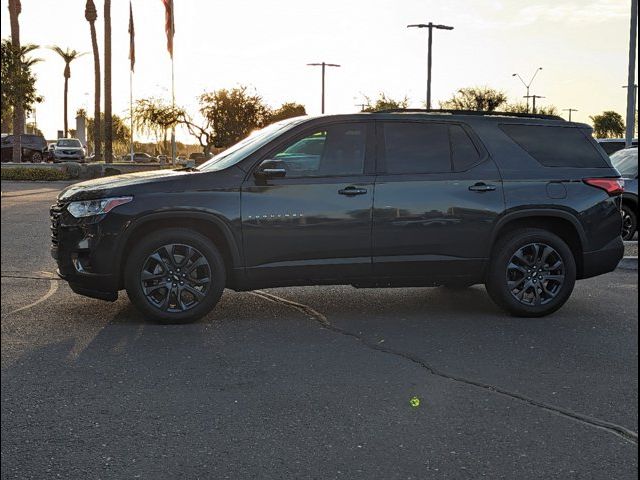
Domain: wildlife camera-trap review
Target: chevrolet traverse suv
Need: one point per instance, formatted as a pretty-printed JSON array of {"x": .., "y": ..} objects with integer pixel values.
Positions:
[{"x": 523, "y": 204}]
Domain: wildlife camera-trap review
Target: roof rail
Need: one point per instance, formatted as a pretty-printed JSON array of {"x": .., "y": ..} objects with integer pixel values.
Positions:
[{"x": 471, "y": 112}]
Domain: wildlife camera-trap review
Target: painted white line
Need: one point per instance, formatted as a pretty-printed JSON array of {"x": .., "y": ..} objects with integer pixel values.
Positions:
[{"x": 53, "y": 288}]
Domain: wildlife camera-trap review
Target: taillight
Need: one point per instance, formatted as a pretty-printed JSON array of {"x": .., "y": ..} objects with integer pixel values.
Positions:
[{"x": 613, "y": 186}]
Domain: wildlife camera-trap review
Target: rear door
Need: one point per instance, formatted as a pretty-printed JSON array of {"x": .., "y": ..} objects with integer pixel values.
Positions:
[
  {"x": 314, "y": 223},
  {"x": 438, "y": 195}
]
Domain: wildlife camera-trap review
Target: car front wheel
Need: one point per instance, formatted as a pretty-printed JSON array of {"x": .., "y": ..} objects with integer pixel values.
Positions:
[
  {"x": 532, "y": 273},
  {"x": 175, "y": 276}
]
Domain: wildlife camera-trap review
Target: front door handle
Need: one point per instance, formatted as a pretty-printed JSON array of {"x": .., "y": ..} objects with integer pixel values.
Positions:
[
  {"x": 482, "y": 187},
  {"x": 352, "y": 190}
]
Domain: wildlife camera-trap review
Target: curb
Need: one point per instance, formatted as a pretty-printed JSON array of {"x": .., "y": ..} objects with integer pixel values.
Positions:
[{"x": 628, "y": 263}]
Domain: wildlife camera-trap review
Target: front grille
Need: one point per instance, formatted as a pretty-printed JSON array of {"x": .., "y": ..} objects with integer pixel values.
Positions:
[{"x": 55, "y": 212}]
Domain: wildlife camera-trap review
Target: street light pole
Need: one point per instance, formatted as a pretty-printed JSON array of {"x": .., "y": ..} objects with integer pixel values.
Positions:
[
  {"x": 569, "y": 110},
  {"x": 323, "y": 65},
  {"x": 527, "y": 85},
  {"x": 631, "y": 80},
  {"x": 430, "y": 26}
]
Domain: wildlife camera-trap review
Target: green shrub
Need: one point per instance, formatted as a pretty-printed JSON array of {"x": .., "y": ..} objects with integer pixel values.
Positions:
[
  {"x": 91, "y": 170},
  {"x": 111, "y": 171},
  {"x": 30, "y": 173},
  {"x": 72, "y": 169}
]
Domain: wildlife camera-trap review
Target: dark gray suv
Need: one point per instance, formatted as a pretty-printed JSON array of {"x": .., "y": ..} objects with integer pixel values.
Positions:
[{"x": 523, "y": 204}]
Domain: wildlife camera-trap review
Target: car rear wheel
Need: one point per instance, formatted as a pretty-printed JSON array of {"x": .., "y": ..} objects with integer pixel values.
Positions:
[
  {"x": 629, "y": 222},
  {"x": 36, "y": 157},
  {"x": 532, "y": 273},
  {"x": 175, "y": 276}
]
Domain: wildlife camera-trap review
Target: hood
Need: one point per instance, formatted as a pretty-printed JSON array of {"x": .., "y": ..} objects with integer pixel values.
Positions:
[
  {"x": 126, "y": 184},
  {"x": 68, "y": 148}
]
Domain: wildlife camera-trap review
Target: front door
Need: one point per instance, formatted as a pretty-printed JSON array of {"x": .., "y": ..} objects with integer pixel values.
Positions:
[{"x": 314, "y": 223}]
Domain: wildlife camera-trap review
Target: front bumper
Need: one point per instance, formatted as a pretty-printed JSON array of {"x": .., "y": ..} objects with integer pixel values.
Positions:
[
  {"x": 85, "y": 251},
  {"x": 604, "y": 260}
]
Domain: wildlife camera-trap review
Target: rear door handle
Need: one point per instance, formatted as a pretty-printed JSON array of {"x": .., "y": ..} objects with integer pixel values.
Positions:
[
  {"x": 352, "y": 190},
  {"x": 482, "y": 187}
]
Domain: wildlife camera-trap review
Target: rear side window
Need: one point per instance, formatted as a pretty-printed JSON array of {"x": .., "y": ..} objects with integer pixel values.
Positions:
[
  {"x": 556, "y": 146},
  {"x": 463, "y": 152},
  {"x": 417, "y": 147}
]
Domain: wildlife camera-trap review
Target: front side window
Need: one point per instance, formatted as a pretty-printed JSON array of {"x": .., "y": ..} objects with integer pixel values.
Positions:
[
  {"x": 335, "y": 150},
  {"x": 417, "y": 148}
]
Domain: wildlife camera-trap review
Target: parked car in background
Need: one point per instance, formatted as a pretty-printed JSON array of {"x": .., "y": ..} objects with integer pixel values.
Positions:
[
  {"x": 163, "y": 158},
  {"x": 34, "y": 148},
  {"x": 612, "y": 145},
  {"x": 139, "y": 157},
  {"x": 626, "y": 162},
  {"x": 68, "y": 150},
  {"x": 392, "y": 199}
]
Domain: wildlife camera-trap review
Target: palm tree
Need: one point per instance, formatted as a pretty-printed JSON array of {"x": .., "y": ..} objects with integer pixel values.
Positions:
[
  {"x": 108, "y": 121},
  {"x": 18, "y": 112},
  {"x": 91, "y": 14},
  {"x": 68, "y": 56}
]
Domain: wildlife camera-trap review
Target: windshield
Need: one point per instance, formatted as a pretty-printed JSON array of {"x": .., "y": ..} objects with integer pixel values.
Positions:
[
  {"x": 243, "y": 148},
  {"x": 626, "y": 162},
  {"x": 70, "y": 142}
]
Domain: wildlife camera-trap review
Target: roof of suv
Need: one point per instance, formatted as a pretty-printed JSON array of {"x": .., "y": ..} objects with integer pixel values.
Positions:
[{"x": 469, "y": 116}]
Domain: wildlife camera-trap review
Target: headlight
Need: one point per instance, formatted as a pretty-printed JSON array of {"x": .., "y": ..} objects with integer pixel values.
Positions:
[{"x": 89, "y": 208}]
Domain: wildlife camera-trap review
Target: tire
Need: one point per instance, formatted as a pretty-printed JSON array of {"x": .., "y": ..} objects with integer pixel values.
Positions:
[
  {"x": 36, "y": 157},
  {"x": 164, "y": 289},
  {"x": 629, "y": 221},
  {"x": 514, "y": 278}
]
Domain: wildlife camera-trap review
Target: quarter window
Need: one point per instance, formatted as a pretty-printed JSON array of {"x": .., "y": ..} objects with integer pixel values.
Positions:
[
  {"x": 336, "y": 150},
  {"x": 463, "y": 152},
  {"x": 556, "y": 146}
]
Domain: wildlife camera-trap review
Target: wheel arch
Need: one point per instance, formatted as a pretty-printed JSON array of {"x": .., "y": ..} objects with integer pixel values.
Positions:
[
  {"x": 559, "y": 222},
  {"x": 207, "y": 224}
]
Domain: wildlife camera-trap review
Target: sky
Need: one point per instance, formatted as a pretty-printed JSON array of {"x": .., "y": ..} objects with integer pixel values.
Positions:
[{"x": 582, "y": 46}]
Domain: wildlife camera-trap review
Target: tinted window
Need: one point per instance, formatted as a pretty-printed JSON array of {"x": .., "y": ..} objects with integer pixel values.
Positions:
[
  {"x": 556, "y": 146},
  {"x": 332, "y": 151},
  {"x": 626, "y": 161},
  {"x": 463, "y": 152},
  {"x": 611, "y": 147},
  {"x": 416, "y": 147}
]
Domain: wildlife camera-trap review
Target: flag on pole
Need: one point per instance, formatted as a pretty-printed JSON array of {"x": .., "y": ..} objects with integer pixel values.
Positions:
[
  {"x": 132, "y": 43},
  {"x": 169, "y": 25}
]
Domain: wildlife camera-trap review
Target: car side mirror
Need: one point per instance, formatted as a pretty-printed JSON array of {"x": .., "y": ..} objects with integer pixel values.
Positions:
[{"x": 271, "y": 169}]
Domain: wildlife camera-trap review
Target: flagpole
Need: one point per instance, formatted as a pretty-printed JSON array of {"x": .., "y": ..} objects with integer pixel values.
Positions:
[
  {"x": 131, "y": 109},
  {"x": 173, "y": 90}
]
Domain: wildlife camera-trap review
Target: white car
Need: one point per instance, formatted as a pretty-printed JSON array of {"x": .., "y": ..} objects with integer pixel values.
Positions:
[{"x": 68, "y": 150}]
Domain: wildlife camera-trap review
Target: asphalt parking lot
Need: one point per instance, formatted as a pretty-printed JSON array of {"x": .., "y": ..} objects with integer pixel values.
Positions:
[{"x": 309, "y": 382}]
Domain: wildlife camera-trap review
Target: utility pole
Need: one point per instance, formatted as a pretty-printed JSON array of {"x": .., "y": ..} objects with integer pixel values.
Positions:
[
  {"x": 527, "y": 85},
  {"x": 323, "y": 65},
  {"x": 635, "y": 104},
  {"x": 569, "y": 110},
  {"x": 631, "y": 80},
  {"x": 362, "y": 106},
  {"x": 430, "y": 26},
  {"x": 534, "y": 101}
]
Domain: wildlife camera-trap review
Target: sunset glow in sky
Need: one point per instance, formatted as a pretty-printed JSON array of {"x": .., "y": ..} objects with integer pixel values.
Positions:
[{"x": 581, "y": 45}]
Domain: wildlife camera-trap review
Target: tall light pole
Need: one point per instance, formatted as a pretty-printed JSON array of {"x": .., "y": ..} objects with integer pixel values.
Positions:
[
  {"x": 631, "y": 80},
  {"x": 527, "y": 85},
  {"x": 569, "y": 110},
  {"x": 430, "y": 26},
  {"x": 323, "y": 65},
  {"x": 635, "y": 106}
]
